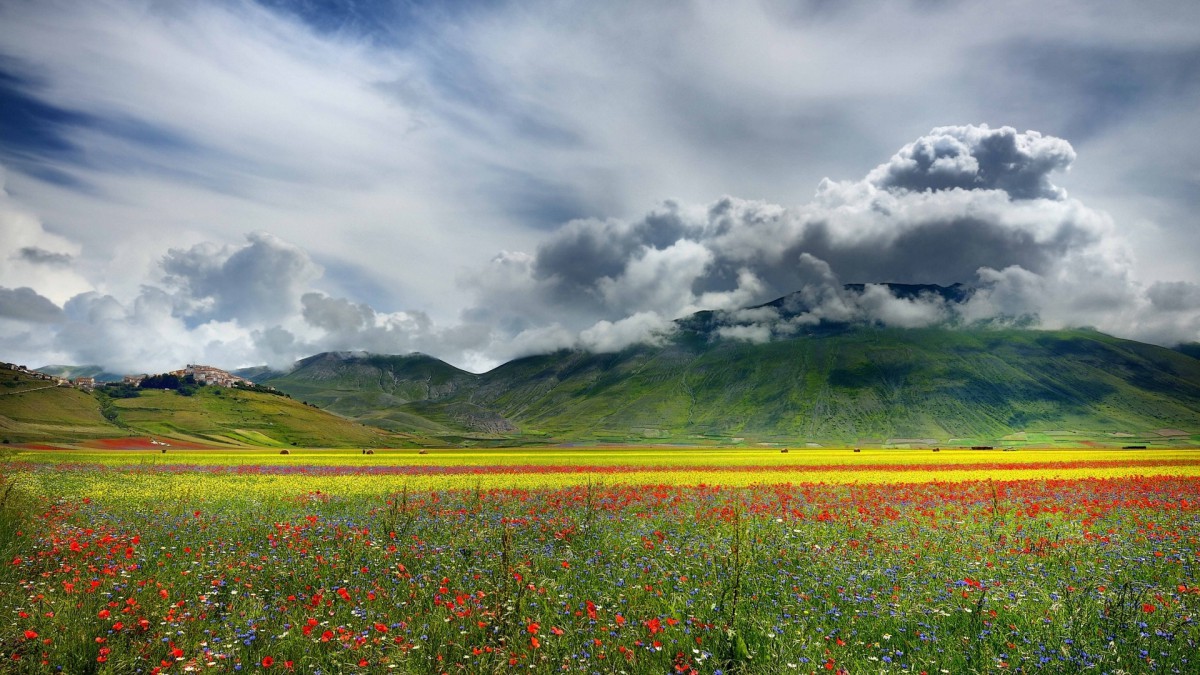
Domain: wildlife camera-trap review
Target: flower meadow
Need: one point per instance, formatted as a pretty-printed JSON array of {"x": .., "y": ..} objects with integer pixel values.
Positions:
[{"x": 181, "y": 567}]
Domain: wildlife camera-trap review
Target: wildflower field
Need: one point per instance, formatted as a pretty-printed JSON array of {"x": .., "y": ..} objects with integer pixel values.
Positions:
[{"x": 600, "y": 561}]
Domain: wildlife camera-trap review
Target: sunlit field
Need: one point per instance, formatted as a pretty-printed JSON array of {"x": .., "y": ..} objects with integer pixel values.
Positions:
[{"x": 600, "y": 560}]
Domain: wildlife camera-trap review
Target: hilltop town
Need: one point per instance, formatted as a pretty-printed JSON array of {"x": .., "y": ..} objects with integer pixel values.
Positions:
[{"x": 200, "y": 374}]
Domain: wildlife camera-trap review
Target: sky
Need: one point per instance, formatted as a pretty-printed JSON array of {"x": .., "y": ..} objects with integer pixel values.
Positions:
[{"x": 241, "y": 183}]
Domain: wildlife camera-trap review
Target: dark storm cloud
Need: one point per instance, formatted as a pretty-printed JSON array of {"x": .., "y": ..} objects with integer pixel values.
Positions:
[
  {"x": 948, "y": 251},
  {"x": 945, "y": 206},
  {"x": 978, "y": 158},
  {"x": 583, "y": 251},
  {"x": 25, "y": 304},
  {"x": 39, "y": 256}
]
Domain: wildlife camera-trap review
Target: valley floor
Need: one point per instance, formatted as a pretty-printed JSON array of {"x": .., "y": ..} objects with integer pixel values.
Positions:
[{"x": 600, "y": 560}]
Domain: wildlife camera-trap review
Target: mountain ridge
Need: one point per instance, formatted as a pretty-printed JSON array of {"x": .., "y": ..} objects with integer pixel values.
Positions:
[
  {"x": 845, "y": 384},
  {"x": 799, "y": 379}
]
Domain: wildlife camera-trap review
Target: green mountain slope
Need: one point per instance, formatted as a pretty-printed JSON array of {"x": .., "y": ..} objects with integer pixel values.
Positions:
[
  {"x": 839, "y": 383},
  {"x": 377, "y": 389},
  {"x": 859, "y": 384}
]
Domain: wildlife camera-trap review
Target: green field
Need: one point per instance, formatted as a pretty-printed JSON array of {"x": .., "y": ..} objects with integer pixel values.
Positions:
[{"x": 31, "y": 410}]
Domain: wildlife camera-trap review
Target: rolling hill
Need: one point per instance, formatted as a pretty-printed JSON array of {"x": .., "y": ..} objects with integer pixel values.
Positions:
[
  {"x": 37, "y": 410},
  {"x": 34, "y": 410}
]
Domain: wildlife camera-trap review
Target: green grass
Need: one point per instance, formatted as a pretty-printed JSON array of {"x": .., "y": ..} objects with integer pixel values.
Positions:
[
  {"x": 30, "y": 411},
  {"x": 242, "y": 417},
  {"x": 34, "y": 410}
]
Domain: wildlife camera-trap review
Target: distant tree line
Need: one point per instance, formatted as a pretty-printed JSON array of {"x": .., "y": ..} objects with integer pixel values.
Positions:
[
  {"x": 184, "y": 386},
  {"x": 251, "y": 386},
  {"x": 120, "y": 390}
]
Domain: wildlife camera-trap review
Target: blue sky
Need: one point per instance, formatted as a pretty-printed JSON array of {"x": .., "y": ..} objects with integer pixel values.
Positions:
[{"x": 243, "y": 183}]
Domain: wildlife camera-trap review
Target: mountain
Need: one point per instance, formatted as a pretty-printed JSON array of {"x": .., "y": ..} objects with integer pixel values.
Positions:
[
  {"x": 858, "y": 385},
  {"x": 766, "y": 374},
  {"x": 33, "y": 410},
  {"x": 378, "y": 390},
  {"x": 831, "y": 382},
  {"x": 256, "y": 374}
]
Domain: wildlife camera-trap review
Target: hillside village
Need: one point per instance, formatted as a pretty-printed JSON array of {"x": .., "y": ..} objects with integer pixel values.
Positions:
[{"x": 207, "y": 375}]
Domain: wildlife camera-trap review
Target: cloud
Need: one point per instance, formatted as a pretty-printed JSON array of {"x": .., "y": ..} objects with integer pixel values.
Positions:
[
  {"x": 412, "y": 142},
  {"x": 978, "y": 158},
  {"x": 1002, "y": 212},
  {"x": 608, "y": 336},
  {"x": 24, "y": 304},
  {"x": 143, "y": 336},
  {"x": 753, "y": 333},
  {"x": 41, "y": 256},
  {"x": 1011, "y": 292},
  {"x": 32, "y": 257},
  {"x": 348, "y": 325},
  {"x": 1175, "y": 296},
  {"x": 877, "y": 302},
  {"x": 336, "y": 314},
  {"x": 261, "y": 281},
  {"x": 965, "y": 204}
]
